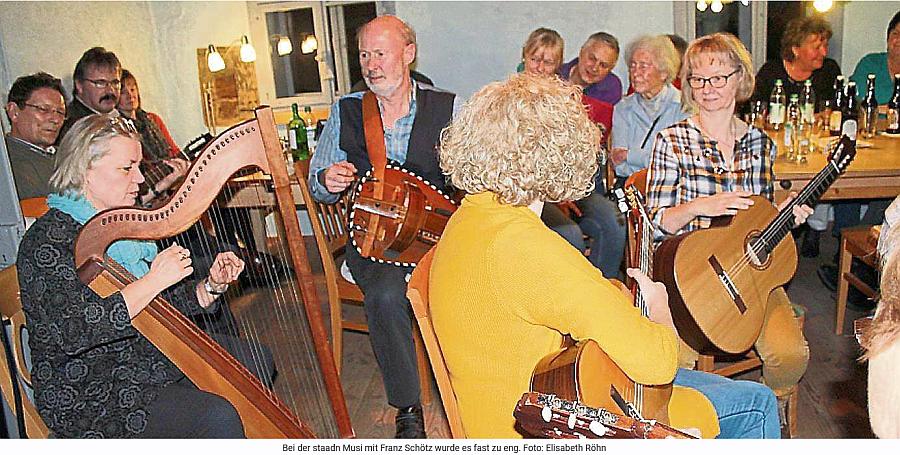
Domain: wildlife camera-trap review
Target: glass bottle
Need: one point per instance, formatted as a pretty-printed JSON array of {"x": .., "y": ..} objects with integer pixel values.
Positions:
[
  {"x": 792, "y": 124},
  {"x": 297, "y": 136},
  {"x": 893, "y": 111},
  {"x": 808, "y": 102},
  {"x": 851, "y": 106},
  {"x": 776, "y": 106},
  {"x": 310, "y": 122},
  {"x": 869, "y": 109},
  {"x": 837, "y": 107}
]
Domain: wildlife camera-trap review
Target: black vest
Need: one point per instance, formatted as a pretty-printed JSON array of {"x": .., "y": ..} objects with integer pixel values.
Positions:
[{"x": 434, "y": 110}]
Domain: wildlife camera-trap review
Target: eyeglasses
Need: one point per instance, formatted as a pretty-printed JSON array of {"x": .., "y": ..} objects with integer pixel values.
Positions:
[
  {"x": 715, "y": 81},
  {"x": 47, "y": 110},
  {"x": 103, "y": 83},
  {"x": 123, "y": 123}
]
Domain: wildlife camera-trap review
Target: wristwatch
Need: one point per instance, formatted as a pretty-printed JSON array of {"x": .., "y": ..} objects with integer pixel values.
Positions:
[{"x": 208, "y": 286}]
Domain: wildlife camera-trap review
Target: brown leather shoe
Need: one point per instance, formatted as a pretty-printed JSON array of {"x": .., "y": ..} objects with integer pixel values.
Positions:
[{"x": 410, "y": 423}]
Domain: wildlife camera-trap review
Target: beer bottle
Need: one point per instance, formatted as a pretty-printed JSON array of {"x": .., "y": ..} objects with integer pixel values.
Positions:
[
  {"x": 851, "y": 105},
  {"x": 297, "y": 136},
  {"x": 893, "y": 111},
  {"x": 808, "y": 102},
  {"x": 776, "y": 106},
  {"x": 837, "y": 106},
  {"x": 869, "y": 108},
  {"x": 791, "y": 129},
  {"x": 310, "y": 123}
]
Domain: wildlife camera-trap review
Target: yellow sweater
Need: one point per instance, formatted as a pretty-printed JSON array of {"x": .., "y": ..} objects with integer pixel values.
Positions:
[{"x": 504, "y": 289}]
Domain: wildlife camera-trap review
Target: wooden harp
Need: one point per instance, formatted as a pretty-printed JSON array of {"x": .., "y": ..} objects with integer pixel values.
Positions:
[{"x": 250, "y": 144}]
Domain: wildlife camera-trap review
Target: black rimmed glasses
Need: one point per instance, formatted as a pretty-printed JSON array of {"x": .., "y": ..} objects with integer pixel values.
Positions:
[
  {"x": 698, "y": 83},
  {"x": 47, "y": 110},
  {"x": 104, "y": 83}
]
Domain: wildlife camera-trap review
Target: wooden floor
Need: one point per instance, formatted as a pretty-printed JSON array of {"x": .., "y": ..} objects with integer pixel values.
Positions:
[{"x": 832, "y": 400}]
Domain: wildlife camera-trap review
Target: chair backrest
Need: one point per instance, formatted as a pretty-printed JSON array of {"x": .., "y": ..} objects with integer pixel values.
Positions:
[
  {"x": 34, "y": 207},
  {"x": 329, "y": 224},
  {"x": 11, "y": 310},
  {"x": 418, "y": 297}
]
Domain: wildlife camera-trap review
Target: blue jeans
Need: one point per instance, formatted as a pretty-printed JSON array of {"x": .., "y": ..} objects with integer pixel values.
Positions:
[
  {"x": 566, "y": 227},
  {"x": 605, "y": 224},
  {"x": 746, "y": 409}
]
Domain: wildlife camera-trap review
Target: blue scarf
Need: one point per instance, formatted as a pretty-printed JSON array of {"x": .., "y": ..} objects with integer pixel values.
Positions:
[{"x": 134, "y": 255}]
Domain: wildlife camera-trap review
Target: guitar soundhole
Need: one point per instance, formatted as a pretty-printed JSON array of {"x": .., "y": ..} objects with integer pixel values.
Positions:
[{"x": 755, "y": 251}]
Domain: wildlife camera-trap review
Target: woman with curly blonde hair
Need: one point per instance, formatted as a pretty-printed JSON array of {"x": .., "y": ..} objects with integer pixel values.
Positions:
[{"x": 500, "y": 276}]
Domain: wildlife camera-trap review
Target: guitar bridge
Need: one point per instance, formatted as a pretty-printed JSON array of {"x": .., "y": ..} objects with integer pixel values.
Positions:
[{"x": 728, "y": 284}]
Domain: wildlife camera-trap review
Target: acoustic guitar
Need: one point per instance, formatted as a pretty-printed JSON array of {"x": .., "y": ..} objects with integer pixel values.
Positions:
[
  {"x": 550, "y": 416},
  {"x": 719, "y": 279},
  {"x": 397, "y": 219},
  {"x": 582, "y": 372}
]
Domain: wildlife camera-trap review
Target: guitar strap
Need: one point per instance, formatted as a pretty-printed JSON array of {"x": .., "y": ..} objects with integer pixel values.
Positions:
[{"x": 374, "y": 130}]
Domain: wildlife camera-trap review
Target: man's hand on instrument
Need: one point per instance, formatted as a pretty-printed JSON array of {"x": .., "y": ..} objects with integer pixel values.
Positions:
[
  {"x": 339, "y": 176},
  {"x": 727, "y": 203},
  {"x": 801, "y": 212},
  {"x": 656, "y": 297},
  {"x": 179, "y": 168},
  {"x": 171, "y": 265}
]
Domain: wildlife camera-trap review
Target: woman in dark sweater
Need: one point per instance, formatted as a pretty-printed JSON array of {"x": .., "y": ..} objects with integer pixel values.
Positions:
[{"x": 94, "y": 374}]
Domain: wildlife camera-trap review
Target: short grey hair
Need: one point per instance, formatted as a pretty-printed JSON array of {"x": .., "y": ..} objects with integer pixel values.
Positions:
[
  {"x": 604, "y": 38},
  {"x": 407, "y": 32},
  {"x": 85, "y": 143},
  {"x": 660, "y": 47}
]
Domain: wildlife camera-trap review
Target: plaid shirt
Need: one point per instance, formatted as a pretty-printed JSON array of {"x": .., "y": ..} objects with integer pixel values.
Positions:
[{"x": 685, "y": 165}]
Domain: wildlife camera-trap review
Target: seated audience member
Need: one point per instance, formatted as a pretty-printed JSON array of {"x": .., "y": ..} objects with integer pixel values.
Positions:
[
  {"x": 592, "y": 69},
  {"x": 680, "y": 46},
  {"x": 804, "y": 47},
  {"x": 36, "y": 109},
  {"x": 523, "y": 282},
  {"x": 78, "y": 337},
  {"x": 652, "y": 66},
  {"x": 709, "y": 165},
  {"x": 542, "y": 54},
  {"x": 156, "y": 141},
  {"x": 98, "y": 81},
  {"x": 884, "y": 65}
]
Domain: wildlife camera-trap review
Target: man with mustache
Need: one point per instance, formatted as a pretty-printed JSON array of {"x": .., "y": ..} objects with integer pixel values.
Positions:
[
  {"x": 98, "y": 83},
  {"x": 413, "y": 115},
  {"x": 36, "y": 108}
]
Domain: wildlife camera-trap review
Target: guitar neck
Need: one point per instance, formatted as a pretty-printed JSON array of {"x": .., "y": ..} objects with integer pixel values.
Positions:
[{"x": 784, "y": 222}]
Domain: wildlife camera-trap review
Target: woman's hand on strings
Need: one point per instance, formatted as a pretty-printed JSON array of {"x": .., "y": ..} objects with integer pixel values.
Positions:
[
  {"x": 225, "y": 269},
  {"x": 801, "y": 212},
  {"x": 171, "y": 265}
]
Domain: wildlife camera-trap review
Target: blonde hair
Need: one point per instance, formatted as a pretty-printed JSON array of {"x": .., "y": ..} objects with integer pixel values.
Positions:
[
  {"x": 544, "y": 38},
  {"x": 885, "y": 328},
  {"x": 527, "y": 138},
  {"x": 661, "y": 49},
  {"x": 85, "y": 143},
  {"x": 723, "y": 47}
]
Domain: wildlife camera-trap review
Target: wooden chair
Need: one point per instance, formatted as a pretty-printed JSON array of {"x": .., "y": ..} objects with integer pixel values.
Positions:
[
  {"x": 856, "y": 242},
  {"x": 16, "y": 381},
  {"x": 329, "y": 224},
  {"x": 418, "y": 296}
]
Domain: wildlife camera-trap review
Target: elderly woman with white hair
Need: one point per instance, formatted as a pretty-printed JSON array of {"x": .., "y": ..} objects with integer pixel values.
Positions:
[
  {"x": 94, "y": 374},
  {"x": 653, "y": 64}
]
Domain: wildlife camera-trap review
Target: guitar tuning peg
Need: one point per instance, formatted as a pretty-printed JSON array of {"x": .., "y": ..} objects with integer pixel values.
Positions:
[
  {"x": 597, "y": 428},
  {"x": 546, "y": 414},
  {"x": 572, "y": 421}
]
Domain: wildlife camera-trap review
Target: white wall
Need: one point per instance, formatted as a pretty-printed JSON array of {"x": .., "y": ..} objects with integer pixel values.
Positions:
[
  {"x": 865, "y": 30},
  {"x": 465, "y": 45},
  {"x": 157, "y": 41}
]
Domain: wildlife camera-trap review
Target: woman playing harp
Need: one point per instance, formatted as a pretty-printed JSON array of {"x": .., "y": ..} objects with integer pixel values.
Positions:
[{"x": 94, "y": 375}]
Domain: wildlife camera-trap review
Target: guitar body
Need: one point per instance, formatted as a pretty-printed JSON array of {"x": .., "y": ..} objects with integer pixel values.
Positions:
[
  {"x": 584, "y": 373},
  {"x": 398, "y": 219},
  {"x": 718, "y": 298}
]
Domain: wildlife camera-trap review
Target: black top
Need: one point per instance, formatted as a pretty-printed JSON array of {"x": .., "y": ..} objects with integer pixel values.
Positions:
[
  {"x": 94, "y": 375},
  {"x": 822, "y": 81},
  {"x": 75, "y": 111}
]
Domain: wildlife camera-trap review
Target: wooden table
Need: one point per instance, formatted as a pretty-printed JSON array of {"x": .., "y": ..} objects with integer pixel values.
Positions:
[
  {"x": 874, "y": 173},
  {"x": 254, "y": 192}
]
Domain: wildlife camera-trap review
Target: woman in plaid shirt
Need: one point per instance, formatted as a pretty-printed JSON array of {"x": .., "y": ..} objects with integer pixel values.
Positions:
[{"x": 707, "y": 166}]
